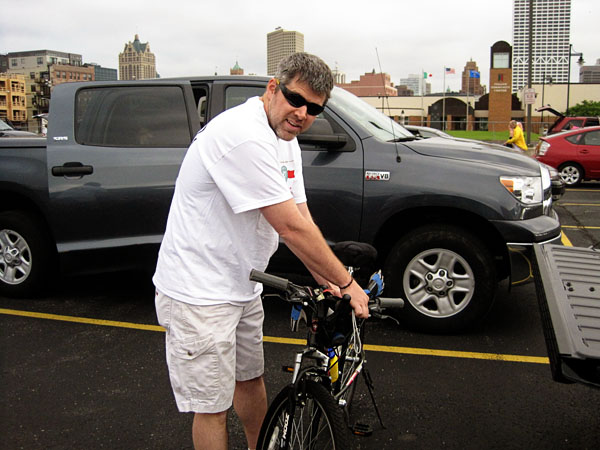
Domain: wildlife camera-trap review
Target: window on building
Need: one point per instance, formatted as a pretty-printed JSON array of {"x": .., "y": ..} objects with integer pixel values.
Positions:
[
  {"x": 32, "y": 75},
  {"x": 40, "y": 60}
]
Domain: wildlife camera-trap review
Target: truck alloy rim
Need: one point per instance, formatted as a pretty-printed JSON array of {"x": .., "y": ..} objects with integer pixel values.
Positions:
[
  {"x": 439, "y": 283},
  {"x": 15, "y": 257}
]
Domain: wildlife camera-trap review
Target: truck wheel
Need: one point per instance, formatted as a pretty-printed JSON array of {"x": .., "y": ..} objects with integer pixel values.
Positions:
[
  {"x": 571, "y": 173},
  {"x": 446, "y": 276},
  {"x": 25, "y": 256}
]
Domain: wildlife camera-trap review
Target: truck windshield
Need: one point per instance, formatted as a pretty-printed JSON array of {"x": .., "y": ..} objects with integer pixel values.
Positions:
[{"x": 376, "y": 123}]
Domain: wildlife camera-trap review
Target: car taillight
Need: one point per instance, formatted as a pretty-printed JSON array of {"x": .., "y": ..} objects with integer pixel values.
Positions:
[{"x": 543, "y": 148}]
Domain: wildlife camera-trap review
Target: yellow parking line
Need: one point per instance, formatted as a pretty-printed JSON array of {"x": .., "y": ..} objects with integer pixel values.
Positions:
[
  {"x": 580, "y": 227},
  {"x": 106, "y": 323},
  {"x": 579, "y": 204},
  {"x": 565, "y": 240},
  {"x": 291, "y": 341}
]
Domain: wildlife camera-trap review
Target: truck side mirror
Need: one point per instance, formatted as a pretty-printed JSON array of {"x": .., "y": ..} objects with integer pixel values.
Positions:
[{"x": 321, "y": 134}]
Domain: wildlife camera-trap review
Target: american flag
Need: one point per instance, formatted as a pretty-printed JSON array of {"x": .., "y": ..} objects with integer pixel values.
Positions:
[{"x": 449, "y": 70}]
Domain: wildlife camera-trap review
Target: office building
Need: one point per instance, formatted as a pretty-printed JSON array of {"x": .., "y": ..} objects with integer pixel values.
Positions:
[
  {"x": 471, "y": 80},
  {"x": 590, "y": 74},
  {"x": 103, "y": 73},
  {"x": 137, "y": 62},
  {"x": 417, "y": 84},
  {"x": 282, "y": 43},
  {"x": 550, "y": 41},
  {"x": 38, "y": 68}
]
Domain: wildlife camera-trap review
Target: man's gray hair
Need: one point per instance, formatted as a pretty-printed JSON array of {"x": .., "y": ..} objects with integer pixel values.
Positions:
[{"x": 309, "y": 69}]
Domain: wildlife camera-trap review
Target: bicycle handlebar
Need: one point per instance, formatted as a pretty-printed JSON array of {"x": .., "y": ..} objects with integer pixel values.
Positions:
[
  {"x": 270, "y": 280},
  {"x": 376, "y": 304}
]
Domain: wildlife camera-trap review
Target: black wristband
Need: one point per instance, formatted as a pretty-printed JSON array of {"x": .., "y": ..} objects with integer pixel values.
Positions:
[{"x": 348, "y": 285}]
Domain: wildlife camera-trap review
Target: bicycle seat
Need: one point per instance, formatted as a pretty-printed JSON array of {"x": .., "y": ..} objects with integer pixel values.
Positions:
[{"x": 355, "y": 254}]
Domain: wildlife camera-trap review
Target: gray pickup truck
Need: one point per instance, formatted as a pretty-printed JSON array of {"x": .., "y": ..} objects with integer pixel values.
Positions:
[{"x": 443, "y": 214}]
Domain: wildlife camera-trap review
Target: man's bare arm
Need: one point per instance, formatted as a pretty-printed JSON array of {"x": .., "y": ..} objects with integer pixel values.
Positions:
[{"x": 305, "y": 240}]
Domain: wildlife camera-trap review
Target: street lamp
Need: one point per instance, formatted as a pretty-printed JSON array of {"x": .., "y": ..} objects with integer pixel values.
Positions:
[
  {"x": 549, "y": 79},
  {"x": 580, "y": 61}
]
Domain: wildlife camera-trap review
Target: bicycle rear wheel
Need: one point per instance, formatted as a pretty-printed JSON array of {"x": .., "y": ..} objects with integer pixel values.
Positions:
[{"x": 317, "y": 422}]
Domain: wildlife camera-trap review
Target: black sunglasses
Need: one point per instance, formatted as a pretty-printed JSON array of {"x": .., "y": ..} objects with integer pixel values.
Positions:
[{"x": 297, "y": 101}]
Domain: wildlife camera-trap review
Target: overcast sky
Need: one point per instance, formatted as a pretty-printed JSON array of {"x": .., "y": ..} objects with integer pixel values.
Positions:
[{"x": 201, "y": 37}]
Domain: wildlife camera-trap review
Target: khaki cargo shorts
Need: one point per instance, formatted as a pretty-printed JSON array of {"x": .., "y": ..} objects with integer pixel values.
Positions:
[{"x": 208, "y": 349}]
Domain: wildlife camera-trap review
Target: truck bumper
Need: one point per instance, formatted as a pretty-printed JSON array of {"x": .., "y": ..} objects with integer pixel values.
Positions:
[{"x": 520, "y": 235}]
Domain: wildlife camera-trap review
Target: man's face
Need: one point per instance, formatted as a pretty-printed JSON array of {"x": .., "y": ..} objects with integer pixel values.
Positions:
[{"x": 286, "y": 120}]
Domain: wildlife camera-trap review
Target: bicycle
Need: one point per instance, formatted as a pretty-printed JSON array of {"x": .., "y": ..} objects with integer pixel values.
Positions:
[{"x": 313, "y": 411}]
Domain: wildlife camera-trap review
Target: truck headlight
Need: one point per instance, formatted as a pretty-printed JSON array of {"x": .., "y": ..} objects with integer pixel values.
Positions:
[{"x": 527, "y": 190}]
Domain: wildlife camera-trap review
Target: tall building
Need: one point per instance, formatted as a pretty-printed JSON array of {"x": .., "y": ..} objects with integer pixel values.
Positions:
[
  {"x": 417, "y": 84},
  {"x": 550, "y": 33},
  {"x": 137, "y": 62},
  {"x": 282, "y": 43},
  {"x": 471, "y": 85}
]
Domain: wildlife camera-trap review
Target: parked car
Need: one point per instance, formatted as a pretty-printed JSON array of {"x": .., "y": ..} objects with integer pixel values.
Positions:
[
  {"x": 565, "y": 123},
  {"x": 576, "y": 154},
  {"x": 426, "y": 132},
  {"x": 7, "y": 131}
]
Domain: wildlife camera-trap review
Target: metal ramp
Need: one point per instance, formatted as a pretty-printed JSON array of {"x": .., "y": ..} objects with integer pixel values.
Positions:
[{"x": 567, "y": 283}]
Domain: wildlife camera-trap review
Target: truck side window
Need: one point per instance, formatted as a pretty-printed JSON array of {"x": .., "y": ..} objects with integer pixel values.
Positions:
[
  {"x": 143, "y": 116},
  {"x": 236, "y": 95}
]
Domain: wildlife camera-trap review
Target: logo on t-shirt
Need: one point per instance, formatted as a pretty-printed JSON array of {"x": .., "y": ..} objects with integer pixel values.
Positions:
[{"x": 287, "y": 174}]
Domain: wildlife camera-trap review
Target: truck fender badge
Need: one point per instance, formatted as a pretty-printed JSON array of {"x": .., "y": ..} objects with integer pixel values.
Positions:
[
  {"x": 374, "y": 175},
  {"x": 61, "y": 138}
]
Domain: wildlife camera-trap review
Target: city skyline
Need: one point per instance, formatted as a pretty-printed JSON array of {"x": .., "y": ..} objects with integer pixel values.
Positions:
[{"x": 198, "y": 40}]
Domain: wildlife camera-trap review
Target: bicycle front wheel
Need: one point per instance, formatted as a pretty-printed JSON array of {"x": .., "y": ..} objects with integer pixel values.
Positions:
[{"x": 317, "y": 422}]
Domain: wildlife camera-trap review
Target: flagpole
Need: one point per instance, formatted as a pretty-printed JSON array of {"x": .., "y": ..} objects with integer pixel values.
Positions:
[
  {"x": 422, "y": 84},
  {"x": 444, "y": 102}
]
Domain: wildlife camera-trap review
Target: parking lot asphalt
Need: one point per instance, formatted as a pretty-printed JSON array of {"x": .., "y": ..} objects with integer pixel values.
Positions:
[{"x": 84, "y": 369}]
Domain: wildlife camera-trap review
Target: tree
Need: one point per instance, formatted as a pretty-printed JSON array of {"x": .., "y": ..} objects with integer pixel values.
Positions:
[{"x": 585, "y": 108}]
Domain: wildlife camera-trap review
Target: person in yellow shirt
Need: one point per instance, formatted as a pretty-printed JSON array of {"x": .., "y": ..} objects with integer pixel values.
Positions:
[{"x": 517, "y": 139}]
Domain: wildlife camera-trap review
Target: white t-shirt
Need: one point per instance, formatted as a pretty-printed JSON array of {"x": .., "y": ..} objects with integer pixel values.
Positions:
[{"x": 215, "y": 231}]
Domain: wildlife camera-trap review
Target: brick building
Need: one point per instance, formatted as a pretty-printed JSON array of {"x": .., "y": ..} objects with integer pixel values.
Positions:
[{"x": 371, "y": 84}]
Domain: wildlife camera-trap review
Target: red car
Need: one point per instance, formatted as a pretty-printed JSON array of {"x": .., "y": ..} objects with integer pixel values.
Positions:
[{"x": 575, "y": 154}]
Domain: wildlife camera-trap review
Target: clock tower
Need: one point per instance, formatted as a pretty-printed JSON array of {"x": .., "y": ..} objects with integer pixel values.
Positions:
[{"x": 500, "y": 97}]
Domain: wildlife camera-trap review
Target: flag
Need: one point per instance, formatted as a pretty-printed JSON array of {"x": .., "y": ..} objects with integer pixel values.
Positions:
[
  {"x": 473, "y": 74},
  {"x": 426, "y": 74},
  {"x": 449, "y": 70}
]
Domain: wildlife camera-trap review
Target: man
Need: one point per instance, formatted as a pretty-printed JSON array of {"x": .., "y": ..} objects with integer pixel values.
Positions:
[
  {"x": 239, "y": 188},
  {"x": 516, "y": 136}
]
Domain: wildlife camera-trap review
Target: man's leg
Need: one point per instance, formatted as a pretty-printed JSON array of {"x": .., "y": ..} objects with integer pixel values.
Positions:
[
  {"x": 250, "y": 403},
  {"x": 209, "y": 431}
]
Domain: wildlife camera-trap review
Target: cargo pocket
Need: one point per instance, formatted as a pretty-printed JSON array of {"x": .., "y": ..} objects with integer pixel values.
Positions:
[{"x": 194, "y": 369}]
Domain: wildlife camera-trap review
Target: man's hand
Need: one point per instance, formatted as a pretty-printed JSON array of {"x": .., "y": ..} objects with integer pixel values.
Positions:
[{"x": 358, "y": 300}]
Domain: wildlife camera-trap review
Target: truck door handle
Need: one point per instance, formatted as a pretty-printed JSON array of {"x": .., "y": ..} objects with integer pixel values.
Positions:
[{"x": 72, "y": 169}]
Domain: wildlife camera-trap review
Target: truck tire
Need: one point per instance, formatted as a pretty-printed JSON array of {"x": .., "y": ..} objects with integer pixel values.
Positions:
[
  {"x": 446, "y": 276},
  {"x": 25, "y": 255}
]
